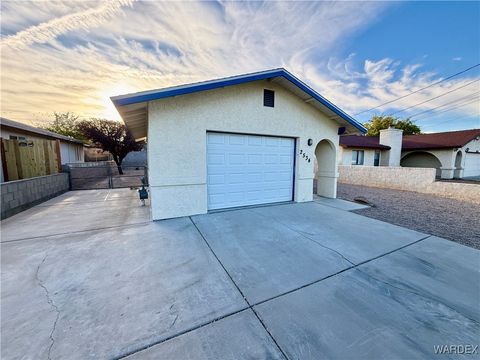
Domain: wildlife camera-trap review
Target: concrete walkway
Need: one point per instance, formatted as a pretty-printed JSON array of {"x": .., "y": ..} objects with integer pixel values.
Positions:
[{"x": 88, "y": 276}]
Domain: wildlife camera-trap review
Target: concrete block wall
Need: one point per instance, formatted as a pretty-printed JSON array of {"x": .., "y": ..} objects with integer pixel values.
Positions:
[
  {"x": 19, "y": 195},
  {"x": 90, "y": 164},
  {"x": 420, "y": 180}
]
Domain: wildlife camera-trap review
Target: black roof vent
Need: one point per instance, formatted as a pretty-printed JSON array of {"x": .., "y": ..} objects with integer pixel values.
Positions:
[{"x": 268, "y": 98}]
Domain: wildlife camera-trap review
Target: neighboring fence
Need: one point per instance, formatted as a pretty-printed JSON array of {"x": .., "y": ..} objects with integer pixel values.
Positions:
[
  {"x": 20, "y": 195},
  {"x": 23, "y": 159},
  {"x": 408, "y": 178},
  {"x": 87, "y": 176}
]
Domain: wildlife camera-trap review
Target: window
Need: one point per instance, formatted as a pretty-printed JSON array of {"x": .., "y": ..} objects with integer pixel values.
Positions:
[
  {"x": 268, "y": 98},
  {"x": 376, "y": 158},
  {"x": 357, "y": 157},
  {"x": 14, "y": 137}
]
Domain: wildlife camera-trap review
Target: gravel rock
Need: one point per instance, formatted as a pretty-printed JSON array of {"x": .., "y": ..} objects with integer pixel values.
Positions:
[{"x": 448, "y": 218}]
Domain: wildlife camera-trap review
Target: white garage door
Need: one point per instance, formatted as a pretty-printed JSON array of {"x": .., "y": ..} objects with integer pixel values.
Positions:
[
  {"x": 472, "y": 165},
  {"x": 248, "y": 169}
]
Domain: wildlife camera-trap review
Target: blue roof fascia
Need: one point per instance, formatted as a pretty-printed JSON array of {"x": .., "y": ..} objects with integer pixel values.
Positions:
[{"x": 211, "y": 85}]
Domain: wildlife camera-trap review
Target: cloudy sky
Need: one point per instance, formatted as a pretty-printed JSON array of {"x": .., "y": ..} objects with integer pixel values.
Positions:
[{"x": 72, "y": 56}]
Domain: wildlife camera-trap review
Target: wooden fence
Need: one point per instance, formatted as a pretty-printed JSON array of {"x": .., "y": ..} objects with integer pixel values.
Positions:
[{"x": 23, "y": 159}]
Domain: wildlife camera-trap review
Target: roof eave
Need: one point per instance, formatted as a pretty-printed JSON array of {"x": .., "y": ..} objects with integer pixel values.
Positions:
[
  {"x": 11, "y": 124},
  {"x": 145, "y": 97},
  {"x": 374, "y": 147}
]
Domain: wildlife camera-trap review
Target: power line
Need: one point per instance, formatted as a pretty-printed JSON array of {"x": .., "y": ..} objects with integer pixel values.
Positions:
[
  {"x": 446, "y": 104},
  {"x": 416, "y": 91},
  {"x": 429, "y": 126},
  {"x": 436, "y": 97},
  {"x": 451, "y": 108},
  {"x": 455, "y": 102}
]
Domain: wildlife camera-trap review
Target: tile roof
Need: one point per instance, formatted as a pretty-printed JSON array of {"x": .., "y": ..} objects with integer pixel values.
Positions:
[
  {"x": 442, "y": 140},
  {"x": 364, "y": 142}
]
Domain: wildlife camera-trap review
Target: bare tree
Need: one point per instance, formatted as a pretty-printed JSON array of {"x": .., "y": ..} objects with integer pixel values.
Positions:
[{"x": 111, "y": 136}]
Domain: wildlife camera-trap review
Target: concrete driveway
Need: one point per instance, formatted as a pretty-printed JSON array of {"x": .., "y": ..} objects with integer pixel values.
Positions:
[{"x": 87, "y": 275}]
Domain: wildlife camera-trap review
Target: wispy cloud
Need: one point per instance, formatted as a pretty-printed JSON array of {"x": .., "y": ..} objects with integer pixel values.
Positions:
[
  {"x": 378, "y": 82},
  {"x": 49, "y": 30}
]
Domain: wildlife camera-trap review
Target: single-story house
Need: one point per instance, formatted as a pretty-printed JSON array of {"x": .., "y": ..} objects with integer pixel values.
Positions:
[
  {"x": 455, "y": 154},
  {"x": 243, "y": 140},
  {"x": 71, "y": 150}
]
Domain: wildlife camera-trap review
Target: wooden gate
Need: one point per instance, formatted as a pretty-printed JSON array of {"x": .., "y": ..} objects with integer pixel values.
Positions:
[{"x": 23, "y": 159}]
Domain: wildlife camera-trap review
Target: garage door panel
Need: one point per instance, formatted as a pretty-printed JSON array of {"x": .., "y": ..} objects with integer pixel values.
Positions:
[
  {"x": 284, "y": 177},
  {"x": 216, "y": 179},
  {"x": 285, "y": 143},
  {"x": 236, "y": 139},
  {"x": 285, "y": 160},
  {"x": 255, "y": 141},
  {"x": 255, "y": 158},
  {"x": 255, "y": 178},
  {"x": 272, "y": 177},
  {"x": 216, "y": 170},
  {"x": 216, "y": 159},
  {"x": 270, "y": 158},
  {"x": 216, "y": 138},
  {"x": 217, "y": 199},
  {"x": 248, "y": 170},
  {"x": 272, "y": 141},
  {"x": 234, "y": 179},
  {"x": 236, "y": 159},
  {"x": 472, "y": 165}
]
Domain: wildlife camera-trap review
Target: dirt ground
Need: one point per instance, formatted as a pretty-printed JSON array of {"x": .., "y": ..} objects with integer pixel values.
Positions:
[{"x": 448, "y": 218}]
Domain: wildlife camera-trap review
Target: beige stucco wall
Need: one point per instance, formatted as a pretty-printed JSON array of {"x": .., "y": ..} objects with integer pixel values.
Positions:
[
  {"x": 177, "y": 130},
  {"x": 410, "y": 179},
  {"x": 473, "y": 145}
]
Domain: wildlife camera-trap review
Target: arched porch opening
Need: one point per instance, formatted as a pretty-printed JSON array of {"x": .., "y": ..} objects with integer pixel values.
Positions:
[
  {"x": 458, "y": 173},
  {"x": 326, "y": 175},
  {"x": 422, "y": 159}
]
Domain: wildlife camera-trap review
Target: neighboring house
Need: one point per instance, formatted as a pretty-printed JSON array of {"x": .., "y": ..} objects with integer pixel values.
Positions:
[
  {"x": 71, "y": 150},
  {"x": 455, "y": 154},
  {"x": 93, "y": 153},
  {"x": 243, "y": 140}
]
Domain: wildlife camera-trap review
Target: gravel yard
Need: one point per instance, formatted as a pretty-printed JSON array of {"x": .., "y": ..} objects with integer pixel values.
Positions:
[{"x": 448, "y": 218}]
